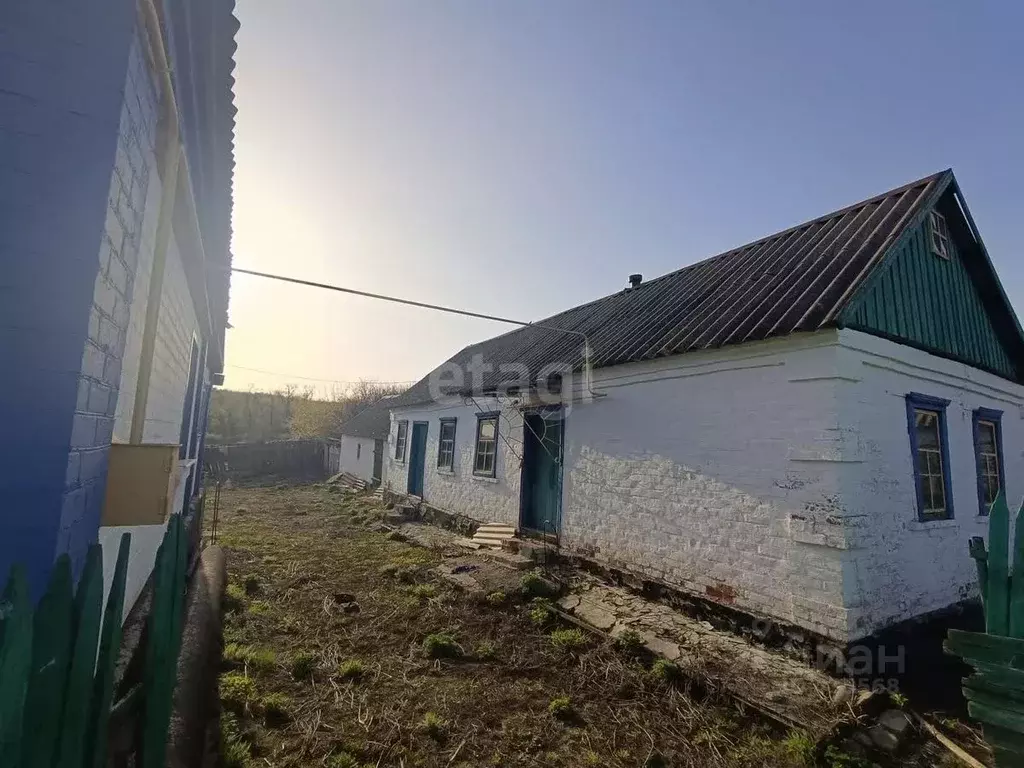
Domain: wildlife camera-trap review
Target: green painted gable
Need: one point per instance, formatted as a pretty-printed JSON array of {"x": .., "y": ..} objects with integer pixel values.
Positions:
[{"x": 917, "y": 298}]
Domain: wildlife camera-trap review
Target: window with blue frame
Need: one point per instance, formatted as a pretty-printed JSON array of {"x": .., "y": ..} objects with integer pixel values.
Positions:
[
  {"x": 401, "y": 439},
  {"x": 988, "y": 455},
  {"x": 446, "y": 445},
  {"x": 926, "y": 423}
]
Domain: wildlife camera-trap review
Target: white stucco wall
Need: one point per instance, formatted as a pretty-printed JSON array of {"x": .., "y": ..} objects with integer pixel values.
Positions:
[
  {"x": 142, "y": 557},
  {"x": 357, "y": 456},
  {"x": 904, "y": 568},
  {"x": 486, "y": 499}
]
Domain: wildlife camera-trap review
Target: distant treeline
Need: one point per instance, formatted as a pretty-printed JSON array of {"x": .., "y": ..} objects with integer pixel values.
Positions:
[{"x": 244, "y": 417}]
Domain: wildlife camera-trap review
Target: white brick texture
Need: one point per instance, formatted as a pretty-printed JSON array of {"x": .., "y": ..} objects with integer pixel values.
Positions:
[{"x": 774, "y": 477}]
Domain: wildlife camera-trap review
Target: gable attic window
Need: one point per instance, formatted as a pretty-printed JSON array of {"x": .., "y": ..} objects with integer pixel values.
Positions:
[
  {"x": 926, "y": 423},
  {"x": 486, "y": 444},
  {"x": 988, "y": 455},
  {"x": 400, "y": 440},
  {"x": 939, "y": 235},
  {"x": 446, "y": 445}
]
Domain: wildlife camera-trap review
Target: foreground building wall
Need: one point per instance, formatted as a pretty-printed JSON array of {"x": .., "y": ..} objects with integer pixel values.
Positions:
[
  {"x": 712, "y": 472},
  {"x": 903, "y": 567}
]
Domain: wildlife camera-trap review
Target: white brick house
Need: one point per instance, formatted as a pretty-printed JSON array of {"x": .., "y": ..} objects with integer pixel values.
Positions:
[
  {"x": 807, "y": 428},
  {"x": 362, "y": 442}
]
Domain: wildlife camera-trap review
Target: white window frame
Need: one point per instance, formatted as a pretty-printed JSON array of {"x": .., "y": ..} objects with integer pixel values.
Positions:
[{"x": 938, "y": 235}]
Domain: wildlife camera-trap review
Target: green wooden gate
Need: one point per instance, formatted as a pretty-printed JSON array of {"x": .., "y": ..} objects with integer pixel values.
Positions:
[
  {"x": 995, "y": 692},
  {"x": 57, "y": 661}
]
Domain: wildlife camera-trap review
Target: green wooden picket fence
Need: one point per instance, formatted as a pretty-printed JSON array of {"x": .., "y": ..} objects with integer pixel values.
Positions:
[
  {"x": 58, "y": 658},
  {"x": 995, "y": 692}
]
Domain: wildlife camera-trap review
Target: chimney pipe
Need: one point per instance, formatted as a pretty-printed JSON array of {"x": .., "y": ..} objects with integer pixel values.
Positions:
[{"x": 635, "y": 280}]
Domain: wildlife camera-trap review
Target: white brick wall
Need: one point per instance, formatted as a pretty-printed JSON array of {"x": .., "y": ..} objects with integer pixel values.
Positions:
[
  {"x": 137, "y": 311},
  {"x": 485, "y": 499},
  {"x": 357, "y": 456},
  {"x": 715, "y": 472},
  {"x": 172, "y": 354},
  {"x": 775, "y": 477},
  {"x": 902, "y": 567}
]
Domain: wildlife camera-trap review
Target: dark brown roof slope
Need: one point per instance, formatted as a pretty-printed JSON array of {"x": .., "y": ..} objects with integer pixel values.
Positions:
[
  {"x": 373, "y": 421},
  {"x": 796, "y": 280}
]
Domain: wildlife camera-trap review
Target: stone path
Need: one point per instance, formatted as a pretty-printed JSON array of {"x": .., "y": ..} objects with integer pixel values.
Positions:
[{"x": 784, "y": 688}]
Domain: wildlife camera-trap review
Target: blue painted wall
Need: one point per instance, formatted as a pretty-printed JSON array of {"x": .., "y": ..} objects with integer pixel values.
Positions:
[{"x": 62, "y": 77}]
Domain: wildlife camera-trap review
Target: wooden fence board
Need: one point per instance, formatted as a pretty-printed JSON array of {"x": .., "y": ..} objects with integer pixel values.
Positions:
[
  {"x": 110, "y": 646},
  {"x": 78, "y": 695},
  {"x": 51, "y": 653},
  {"x": 997, "y": 605}
]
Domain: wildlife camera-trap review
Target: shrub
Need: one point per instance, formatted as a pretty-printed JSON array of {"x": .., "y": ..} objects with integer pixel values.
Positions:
[
  {"x": 561, "y": 708},
  {"x": 666, "y": 671},
  {"x": 303, "y": 664},
  {"x": 237, "y": 691},
  {"x": 352, "y": 669},
  {"x": 630, "y": 642},
  {"x": 485, "y": 650},
  {"x": 568, "y": 639},
  {"x": 275, "y": 708},
  {"x": 433, "y": 725},
  {"x": 496, "y": 598},
  {"x": 534, "y": 585},
  {"x": 423, "y": 591},
  {"x": 441, "y": 645}
]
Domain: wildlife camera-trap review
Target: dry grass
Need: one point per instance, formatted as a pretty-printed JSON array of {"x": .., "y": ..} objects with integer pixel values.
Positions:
[{"x": 387, "y": 687}]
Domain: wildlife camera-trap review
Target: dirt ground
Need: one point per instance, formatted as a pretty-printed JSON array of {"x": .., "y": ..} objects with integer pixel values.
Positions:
[{"x": 344, "y": 651}]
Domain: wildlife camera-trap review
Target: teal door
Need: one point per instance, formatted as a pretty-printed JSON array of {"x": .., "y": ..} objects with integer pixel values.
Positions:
[
  {"x": 541, "y": 502},
  {"x": 417, "y": 457}
]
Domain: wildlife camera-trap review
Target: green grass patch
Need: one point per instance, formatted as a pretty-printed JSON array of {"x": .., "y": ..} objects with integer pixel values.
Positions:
[
  {"x": 234, "y": 599},
  {"x": 237, "y": 691},
  {"x": 485, "y": 651},
  {"x": 561, "y": 708},
  {"x": 630, "y": 642},
  {"x": 434, "y": 726},
  {"x": 541, "y": 611},
  {"x": 496, "y": 598},
  {"x": 235, "y": 751},
  {"x": 423, "y": 591},
  {"x": 351, "y": 669},
  {"x": 259, "y": 607},
  {"x": 276, "y": 708},
  {"x": 534, "y": 585},
  {"x": 568, "y": 640},
  {"x": 303, "y": 664},
  {"x": 666, "y": 671},
  {"x": 441, "y": 645}
]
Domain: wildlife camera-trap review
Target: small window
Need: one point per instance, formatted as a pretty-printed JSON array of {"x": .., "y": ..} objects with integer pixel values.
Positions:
[
  {"x": 927, "y": 425},
  {"x": 940, "y": 235},
  {"x": 988, "y": 455},
  {"x": 446, "y": 445},
  {"x": 486, "y": 445},
  {"x": 359, "y": 451},
  {"x": 403, "y": 433}
]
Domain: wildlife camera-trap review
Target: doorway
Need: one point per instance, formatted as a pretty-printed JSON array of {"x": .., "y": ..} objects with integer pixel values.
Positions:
[
  {"x": 417, "y": 458},
  {"x": 541, "y": 501},
  {"x": 378, "y": 462}
]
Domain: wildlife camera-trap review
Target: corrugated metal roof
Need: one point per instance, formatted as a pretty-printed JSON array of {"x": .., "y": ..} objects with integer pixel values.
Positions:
[
  {"x": 795, "y": 280},
  {"x": 374, "y": 421}
]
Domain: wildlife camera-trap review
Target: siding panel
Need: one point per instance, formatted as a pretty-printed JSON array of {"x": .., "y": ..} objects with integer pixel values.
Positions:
[{"x": 930, "y": 303}]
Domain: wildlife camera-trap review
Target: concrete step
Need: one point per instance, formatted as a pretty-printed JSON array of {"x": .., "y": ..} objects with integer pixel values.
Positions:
[
  {"x": 508, "y": 559},
  {"x": 493, "y": 534}
]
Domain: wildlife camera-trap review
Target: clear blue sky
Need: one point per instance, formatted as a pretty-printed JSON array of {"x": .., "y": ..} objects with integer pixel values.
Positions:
[{"x": 521, "y": 157}]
